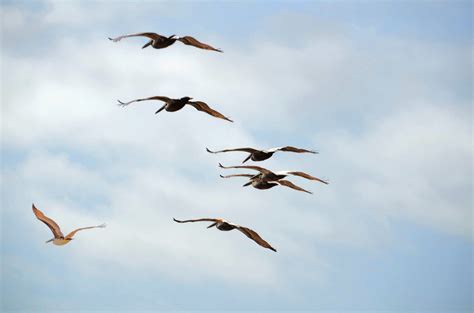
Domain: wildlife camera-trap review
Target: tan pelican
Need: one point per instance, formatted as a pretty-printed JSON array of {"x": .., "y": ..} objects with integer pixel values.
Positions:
[
  {"x": 273, "y": 176},
  {"x": 257, "y": 182},
  {"x": 260, "y": 155},
  {"x": 173, "y": 105},
  {"x": 159, "y": 42},
  {"x": 223, "y": 225},
  {"x": 59, "y": 239}
]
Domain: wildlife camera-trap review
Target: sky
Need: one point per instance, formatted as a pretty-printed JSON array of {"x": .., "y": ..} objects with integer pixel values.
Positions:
[{"x": 382, "y": 89}]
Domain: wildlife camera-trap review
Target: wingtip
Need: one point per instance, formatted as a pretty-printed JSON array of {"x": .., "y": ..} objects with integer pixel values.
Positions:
[
  {"x": 220, "y": 165},
  {"x": 207, "y": 149}
]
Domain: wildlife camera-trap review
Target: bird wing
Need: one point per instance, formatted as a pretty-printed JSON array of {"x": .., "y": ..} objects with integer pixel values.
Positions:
[
  {"x": 249, "y": 150},
  {"x": 201, "y": 106},
  {"x": 290, "y": 149},
  {"x": 190, "y": 41},
  {"x": 304, "y": 175},
  {"x": 287, "y": 183},
  {"x": 161, "y": 98},
  {"x": 153, "y": 36},
  {"x": 49, "y": 222},
  {"x": 237, "y": 175},
  {"x": 71, "y": 234},
  {"x": 251, "y": 167},
  {"x": 197, "y": 220},
  {"x": 255, "y": 237}
]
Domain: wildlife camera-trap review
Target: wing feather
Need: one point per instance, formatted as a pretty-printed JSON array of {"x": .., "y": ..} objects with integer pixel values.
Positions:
[
  {"x": 49, "y": 222},
  {"x": 201, "y": 106},
  {"x": 289, "y": 184},
  {"x": 161, "y": 98},
  {"x": 255, "y": 237},
  {"x": 251, "y": 167},
  {"x": 304, "y": 175},
  {"x": 291, "y": 149},
  {"x": 71, "y": 234},
  {"x": 153, "y": 36},
  {"x": 197, "y": 220},
  {"x": 249, "y": 150},
  {"x": 191, "y": 41}
]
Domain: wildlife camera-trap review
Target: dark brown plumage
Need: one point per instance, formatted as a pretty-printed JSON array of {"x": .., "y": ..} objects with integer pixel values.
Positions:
[
  {"x": 223, "y": 225},
  {"x": 173, "y": 105},
  {"x": 260, "y": 155},
  {"x": 159, "y": 42}
]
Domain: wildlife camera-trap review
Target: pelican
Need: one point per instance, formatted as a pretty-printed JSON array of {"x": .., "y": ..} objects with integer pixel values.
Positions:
[
  {"x": 257, "y": 182},
  {"x": 59, "y": 239},
  {"x": 224, "y": 225},
  {"x": 273, "y": 176},
  {"x": 260, "y": 155},
  {"x": 159, "y": 42},
  {"x": 173, "y": 105}
]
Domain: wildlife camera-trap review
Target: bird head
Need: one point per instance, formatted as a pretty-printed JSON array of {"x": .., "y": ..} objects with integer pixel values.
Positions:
[{"x": 186, "y": 98}]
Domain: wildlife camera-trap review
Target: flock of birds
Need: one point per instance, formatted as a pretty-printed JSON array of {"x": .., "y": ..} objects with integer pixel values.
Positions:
[{"x": 264, "y": 179}]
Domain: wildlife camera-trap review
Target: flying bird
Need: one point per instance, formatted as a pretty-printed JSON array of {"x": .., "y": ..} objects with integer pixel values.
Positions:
[
  {"x": 268, "y": 175},
  {"x": 224, "y": 225},
  {"x": 260, "y": 155},
  {"x": 257, "y": 182},
  {"x": 59, "y": 239},
  {"x": 173, "y": 105},
  {"x": 159, "y": 42}
]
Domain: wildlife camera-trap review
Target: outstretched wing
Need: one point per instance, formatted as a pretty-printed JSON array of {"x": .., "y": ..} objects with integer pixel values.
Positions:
[
  {"x": 304, "y": 175},
  {"x": 201, "y": 106},
  {"x": 287, "y": 183},
  {"x": 71, "y": 234},
  {"x": 255, "y": 237},
  {"x": 251, "y": 167},
  {"x": 291, "y": 149},
  {"x": 190, "y": 41},
  {"x": 161, "y": 98},
  {"x": 153, "y": 36},
  {"x": 237, "y": 175},
  {"x": 197, "y": 220},
  {"x": 49, "y": 222},
  {"x": 249, "y": 150}
]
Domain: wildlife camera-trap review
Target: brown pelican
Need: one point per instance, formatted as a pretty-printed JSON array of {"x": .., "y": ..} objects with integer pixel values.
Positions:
[
  {"x": 59, "y": 239},
  {"x": 260, "y": 155},
  {"x": 274, "y": 176},
  {"x": 223, "y": 225},
  {"x": 172, "y": 105},
  {"x": 257, "y": 182},
  {"x": 159, "y": 42}
]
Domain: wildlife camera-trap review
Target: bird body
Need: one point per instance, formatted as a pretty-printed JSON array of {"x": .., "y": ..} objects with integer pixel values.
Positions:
[
  {"x": 268, "y": 175},
  {"x": 59, "y": 239},
  {"x": 173, "y": 105},
  {"x": 158, "y": 41},
  {"x": 261, "y": 155},
  {"x": 224, "y": 225}
]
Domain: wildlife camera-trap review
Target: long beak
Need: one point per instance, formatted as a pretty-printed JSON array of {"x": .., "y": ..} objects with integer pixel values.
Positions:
[
  {"x": 161, "y": 109},
  {"x": 247, "y": 184},
  {"x": 147, "y": 44},
  {"x": 212, "y": 225},
  {"x": 49, "y": 240},
  {"x": 250, "y": 155}
]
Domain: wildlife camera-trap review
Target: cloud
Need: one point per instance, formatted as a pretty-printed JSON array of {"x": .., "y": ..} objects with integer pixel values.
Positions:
[{"x": 389, "y": 118}]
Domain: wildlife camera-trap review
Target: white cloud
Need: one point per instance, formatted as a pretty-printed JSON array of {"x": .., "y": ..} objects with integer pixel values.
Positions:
[{"x": 390, "y": 146}]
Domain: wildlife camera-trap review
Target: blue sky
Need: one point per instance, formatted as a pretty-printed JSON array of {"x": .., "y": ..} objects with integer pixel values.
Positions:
[{"x": 382, "y": 89}]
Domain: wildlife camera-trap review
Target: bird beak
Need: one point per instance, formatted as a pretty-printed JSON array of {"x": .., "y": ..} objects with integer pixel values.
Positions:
[
  {"x": 250, "y": 155},
  {"x": 212, "y": 225},
  {"x": 147, "y": 44},
  {"x": 247, "y": 184}
]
